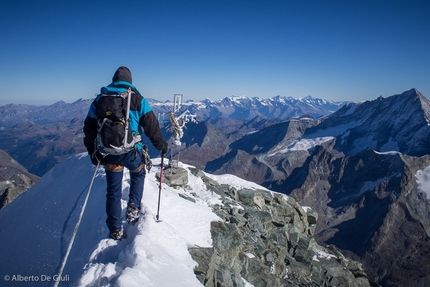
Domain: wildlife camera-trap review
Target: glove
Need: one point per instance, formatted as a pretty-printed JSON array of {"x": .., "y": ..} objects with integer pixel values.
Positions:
[
  {"x": 97, "y": 157},
  {"x": 146, "y": 158},
  {"x": 149, "y": 165},
  {"x": 165, "y": 148}
]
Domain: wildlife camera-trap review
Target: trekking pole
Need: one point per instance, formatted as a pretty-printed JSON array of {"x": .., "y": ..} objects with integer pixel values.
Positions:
[
  {"x": 159, "y": 190},
  {"x": 69, "y": 248}
]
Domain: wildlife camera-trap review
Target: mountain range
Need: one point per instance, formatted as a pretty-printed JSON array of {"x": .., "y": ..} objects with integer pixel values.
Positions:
[
  {"x": 41, "y": 136},
  {"x": 358, "y": 167},
  {"x": 278, "y": 107},
  {"x": 230, "y": 107},
  {"x": 363, "y": 168}
]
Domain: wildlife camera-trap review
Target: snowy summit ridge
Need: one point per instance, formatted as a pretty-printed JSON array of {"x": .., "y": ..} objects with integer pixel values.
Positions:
[
  {"x": 232, "y": 219},
  {"x": 43, "y": 219}
]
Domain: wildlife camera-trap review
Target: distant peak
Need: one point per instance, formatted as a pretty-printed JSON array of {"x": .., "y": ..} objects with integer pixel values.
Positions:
[{"x": 411, "y": 91}]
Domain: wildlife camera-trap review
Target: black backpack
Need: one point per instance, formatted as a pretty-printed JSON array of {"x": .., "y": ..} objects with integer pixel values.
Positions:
[{"x": 113, "y": 133}]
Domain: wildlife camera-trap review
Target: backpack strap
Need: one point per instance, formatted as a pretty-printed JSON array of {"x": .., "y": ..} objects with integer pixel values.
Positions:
[{"x": 127, "y": 116}]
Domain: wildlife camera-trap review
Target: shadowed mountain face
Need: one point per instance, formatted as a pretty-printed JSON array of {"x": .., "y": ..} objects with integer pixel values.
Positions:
[{"x": 368, "y": 204}]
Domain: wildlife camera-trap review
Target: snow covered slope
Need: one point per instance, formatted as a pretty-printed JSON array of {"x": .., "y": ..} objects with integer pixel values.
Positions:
[
  {"x": 216, "y": 230},
  {"x": 36, "y": 228}
]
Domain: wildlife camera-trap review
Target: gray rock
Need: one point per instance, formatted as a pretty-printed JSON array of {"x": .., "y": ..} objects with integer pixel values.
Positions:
[
  {"x": 268, "y": 241},
  {"x": 175, "y": 176},
  {"x": 14, "y": 179}
]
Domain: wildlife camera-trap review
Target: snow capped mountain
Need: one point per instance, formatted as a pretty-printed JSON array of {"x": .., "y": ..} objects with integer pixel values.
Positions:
[
  {"x": 231, "y": 107},
  {"x": 247, "y": 108},
  {"x": 198, "y": 220},
  {"x": 397, "y": 123}
]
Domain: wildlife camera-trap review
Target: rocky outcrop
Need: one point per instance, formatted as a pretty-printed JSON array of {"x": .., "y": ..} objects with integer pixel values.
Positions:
[
  {"x": 12, "y": 188},
  {"x": 174, "y": 176},
  {"x": 267, "y": 239},
  {"x": 14, "y": 179}
]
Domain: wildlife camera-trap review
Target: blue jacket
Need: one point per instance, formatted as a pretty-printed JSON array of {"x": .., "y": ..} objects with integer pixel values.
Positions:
[{"x": 142, "y": 118}]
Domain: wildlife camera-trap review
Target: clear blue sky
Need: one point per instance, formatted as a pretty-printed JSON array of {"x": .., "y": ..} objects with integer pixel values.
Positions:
[{"x": 335, "y": 50}]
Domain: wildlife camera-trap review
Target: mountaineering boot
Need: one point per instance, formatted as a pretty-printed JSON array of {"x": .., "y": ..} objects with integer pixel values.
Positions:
[
  {"x": 116, "y": 235},
  {"x": 132, "y": 214}
]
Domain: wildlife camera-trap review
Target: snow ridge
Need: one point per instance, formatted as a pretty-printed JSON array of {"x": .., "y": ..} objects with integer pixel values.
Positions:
[
  {"x": 156, "y": 253},
  {"x": 153, "y": 254}
]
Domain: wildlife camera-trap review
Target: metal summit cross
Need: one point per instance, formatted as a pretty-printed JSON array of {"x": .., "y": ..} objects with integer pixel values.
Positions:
[{"x": 178, "y": 119}]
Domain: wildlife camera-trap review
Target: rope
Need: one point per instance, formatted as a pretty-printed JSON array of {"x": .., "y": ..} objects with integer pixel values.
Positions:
[
  {"x": 76, "y": 228},
  {"x": 177, "y": 129}
]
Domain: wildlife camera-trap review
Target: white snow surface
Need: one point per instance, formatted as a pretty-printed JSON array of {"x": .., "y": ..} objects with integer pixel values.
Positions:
[
  {"x": 423, "y": 181},
  {"x": 310, "y": 141},
  {"x": 36, "y": 229},
  {"x": 304, "y": 144},
  {"x": 322, "y": 255}
]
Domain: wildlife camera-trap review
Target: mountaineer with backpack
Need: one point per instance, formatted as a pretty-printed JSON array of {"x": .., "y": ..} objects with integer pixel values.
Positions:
[{"x": 117, "y": 118}]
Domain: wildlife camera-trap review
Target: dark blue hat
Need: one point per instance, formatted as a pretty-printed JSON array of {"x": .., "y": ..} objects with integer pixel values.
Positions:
[{"x": 122, "y": 74}]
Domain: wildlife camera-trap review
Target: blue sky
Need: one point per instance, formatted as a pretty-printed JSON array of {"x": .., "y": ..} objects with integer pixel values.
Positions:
[{"x": 335, "y": 50}]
